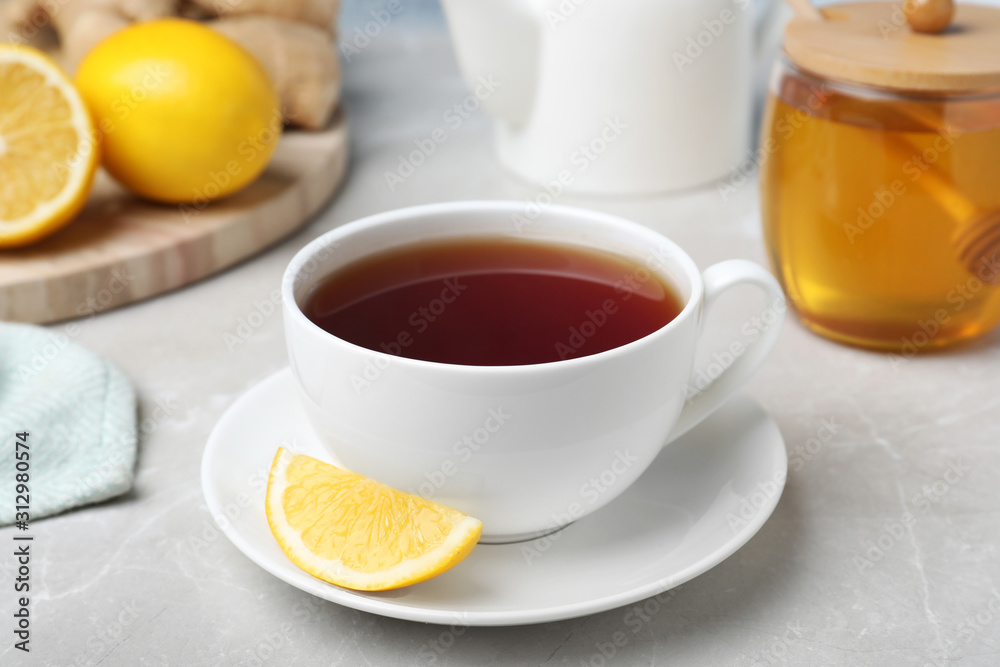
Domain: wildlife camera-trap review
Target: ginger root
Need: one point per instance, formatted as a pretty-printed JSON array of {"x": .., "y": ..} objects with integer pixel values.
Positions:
[
  {"x": 320, "y": 13},
  {"x": 81, "y": 24},
  {"x": 293, "y": 39},
  {"x": 298, "y": 57}
]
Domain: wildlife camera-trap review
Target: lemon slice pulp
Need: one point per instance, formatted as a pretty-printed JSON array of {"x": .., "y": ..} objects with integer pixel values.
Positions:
[
  {"x": 357, "y": 533},
  {"x": 48, "y": 153}
]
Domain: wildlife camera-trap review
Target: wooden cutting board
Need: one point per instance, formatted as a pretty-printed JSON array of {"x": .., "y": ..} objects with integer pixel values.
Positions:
[{"x": 123, "y": 249}]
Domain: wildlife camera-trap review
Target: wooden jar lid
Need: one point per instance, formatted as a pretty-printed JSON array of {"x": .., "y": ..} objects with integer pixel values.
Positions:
[{"x": 871, "y": 43}]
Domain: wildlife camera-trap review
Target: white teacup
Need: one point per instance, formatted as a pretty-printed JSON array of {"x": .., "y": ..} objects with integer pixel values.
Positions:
[{"x": 526, "y": 449}]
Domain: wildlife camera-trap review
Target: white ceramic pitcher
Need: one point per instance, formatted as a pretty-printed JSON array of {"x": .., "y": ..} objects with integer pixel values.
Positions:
[{"x": 612, "y": 96}]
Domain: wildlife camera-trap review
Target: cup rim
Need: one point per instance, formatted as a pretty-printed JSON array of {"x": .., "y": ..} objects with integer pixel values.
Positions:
[{"x": 298, "y": 261}]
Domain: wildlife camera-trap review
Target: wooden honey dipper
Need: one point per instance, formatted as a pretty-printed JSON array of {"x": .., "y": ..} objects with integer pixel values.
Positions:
[{"x": 977, "y": 233}]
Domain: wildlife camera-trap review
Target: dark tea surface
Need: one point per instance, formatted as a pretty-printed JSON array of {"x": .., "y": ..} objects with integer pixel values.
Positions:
[{"x": 492, "y": 301}]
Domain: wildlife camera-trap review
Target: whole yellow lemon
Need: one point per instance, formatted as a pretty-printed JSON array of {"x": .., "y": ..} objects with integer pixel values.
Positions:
[{"x": 185, "y": 115}]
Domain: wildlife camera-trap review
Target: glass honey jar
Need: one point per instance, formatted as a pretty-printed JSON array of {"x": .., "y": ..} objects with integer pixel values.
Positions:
[{"x": 881, "y": 186}]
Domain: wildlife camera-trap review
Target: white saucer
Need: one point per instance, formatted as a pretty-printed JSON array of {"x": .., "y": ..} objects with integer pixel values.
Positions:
[{"x": 700, "y": 501}]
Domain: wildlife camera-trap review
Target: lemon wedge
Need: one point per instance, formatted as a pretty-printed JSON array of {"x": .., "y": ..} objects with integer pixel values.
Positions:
[
  {"x": 357, "y": 533},
  {"x": 48, "y": 154}
]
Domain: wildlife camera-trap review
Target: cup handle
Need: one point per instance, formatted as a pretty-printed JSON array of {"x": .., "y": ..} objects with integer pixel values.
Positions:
[{"x": 718, "y": 278}]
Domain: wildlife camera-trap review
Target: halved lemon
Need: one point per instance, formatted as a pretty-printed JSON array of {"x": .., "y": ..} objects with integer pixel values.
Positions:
[
  {"x": 357, "y": 533},
  {"x": 48, "y": 153}
]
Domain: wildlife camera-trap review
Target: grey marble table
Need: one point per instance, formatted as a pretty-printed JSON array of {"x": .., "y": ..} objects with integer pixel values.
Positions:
[{"x": 875, "y": 555}]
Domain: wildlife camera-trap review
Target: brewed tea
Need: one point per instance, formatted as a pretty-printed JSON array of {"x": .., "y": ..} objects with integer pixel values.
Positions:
[{"x": 492, "y": 301}]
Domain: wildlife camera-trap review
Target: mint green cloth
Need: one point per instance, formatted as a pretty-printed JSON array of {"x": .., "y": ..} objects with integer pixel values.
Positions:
[{"x": 80, "y": 413}]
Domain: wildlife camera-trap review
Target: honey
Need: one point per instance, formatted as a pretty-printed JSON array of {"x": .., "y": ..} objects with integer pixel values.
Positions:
[{"x": 867, "y": 199}]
